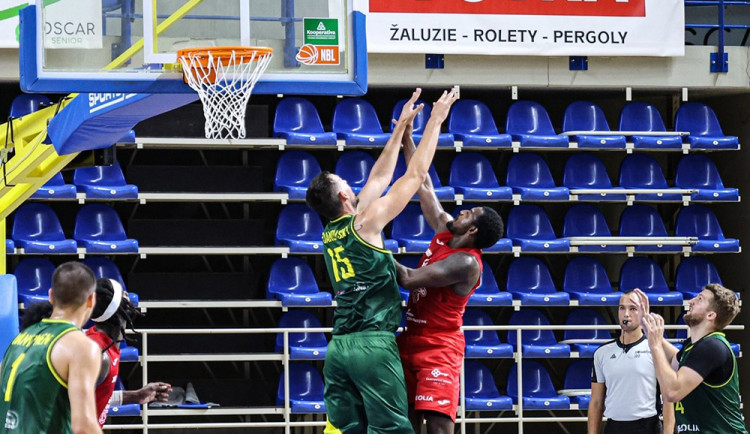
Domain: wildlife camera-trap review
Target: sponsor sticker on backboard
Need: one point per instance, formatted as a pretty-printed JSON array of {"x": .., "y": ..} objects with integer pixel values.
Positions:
[{"x": 321, "y": 42}]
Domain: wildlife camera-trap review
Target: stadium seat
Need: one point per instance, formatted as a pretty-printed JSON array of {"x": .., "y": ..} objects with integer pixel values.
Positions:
[
  {"x": 529, "y": 176},
  {"x": 36, "y": 229},
  {"x": 292, "y": 282},
  {"x": 528, "y": 123},
  {"x": 411, "y": 230},
  {"x": 305, "y": 389},
  {"x": 27, "y": 103},
  {"x": 124, "y": 410},
  {"x": 303, "y": 345},
  {"x": 488, "y": 293},
  {"x": 699, "y": 221},
  {"x": 471, "y": 122},
  {"x": 643, "y": 171},
  {"x": 356, "y": 122},
  {"x": 300, "y": 229},
  {"x": 587, "y": 221},
  {"x": 104, "y": 268},
  {"x": 481, "y": 390},
  {"x": 8, "y": 310},
  {"x": 502, "y": 245},
  {"x": 587, "y": 116},
  {"x": 419, "y": 122},
  {"x": 536, "y": 387},
  {"x": 530, "y": 228},
  {"x": 693, "y": 274},
  {"x": 355, "y": 167},
  {"x": 34, "y": 278},
  {"x": 128, "y": 353},
  {"x": 442, "y": 192},
  {"x": 586, "y": 317},
  {"x": 643, "y": 221},
  {"x": 483, "y": 343},
  {"x": 698, "y": 171},
  {"x": 98, "y": 228},
  {"x": 587, "y": 171},
  {"x": 641, "y": 116},
  {"x": 472, "y": 175},
  {"x": 643, "y": 273},
  {"x": 536, "y": 343},
  {"x": 705, "y": 132},
  {"x": 577, "y": 382},
  {"x": 294, "y": 172},
  {"x": 10, "y": 247},
  {"x": 529, "y": 280},
  {"x": 55, "y": 188},
  {"x": 586, "y": 281},
  {"x": 297, "y": 121},
  {"x": 104, "y": 182}
]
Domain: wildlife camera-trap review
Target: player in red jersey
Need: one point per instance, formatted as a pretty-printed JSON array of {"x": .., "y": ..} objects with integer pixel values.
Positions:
[{"x": 432, "y": 347}]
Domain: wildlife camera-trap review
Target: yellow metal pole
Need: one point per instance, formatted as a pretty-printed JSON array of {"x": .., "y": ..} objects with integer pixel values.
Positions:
[{"x": 3, "y": 253}]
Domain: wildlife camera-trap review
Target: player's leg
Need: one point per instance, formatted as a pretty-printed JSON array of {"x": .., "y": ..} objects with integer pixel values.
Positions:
[
  {"x": 438, "y": 423},
  {"x": 344, "y": 405},
  {"x": 405, "y": 349},
  {"x": 438, "y": 384}
]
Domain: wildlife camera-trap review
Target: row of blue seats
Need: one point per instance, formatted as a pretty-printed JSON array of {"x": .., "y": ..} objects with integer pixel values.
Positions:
[
  {"x": 356, "y": 122},
  {"x": 527, "y": 175},
  {"x": 98, "y": 182},
  {"x": 529, "y": 228}
]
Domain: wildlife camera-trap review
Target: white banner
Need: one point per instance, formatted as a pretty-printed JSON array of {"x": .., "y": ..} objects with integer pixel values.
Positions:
[
  {"x": 73, "y": 24},
  {"x": 526, "y": 27},
  {"x": 9, "y": 21}
]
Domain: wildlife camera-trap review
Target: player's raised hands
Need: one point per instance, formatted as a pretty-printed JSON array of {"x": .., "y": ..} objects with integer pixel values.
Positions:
[
  {"x": 409, "y": 111},
  {"x": 653, "y": 325},
  {"x": 442, "y": 107},
  {"x": 642, "y": 301}
]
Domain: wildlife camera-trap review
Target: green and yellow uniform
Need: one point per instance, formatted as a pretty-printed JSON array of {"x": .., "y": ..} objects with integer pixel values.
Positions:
[
  {"x": 365, "y": 388},
  {"x": 35, "y": 398}
]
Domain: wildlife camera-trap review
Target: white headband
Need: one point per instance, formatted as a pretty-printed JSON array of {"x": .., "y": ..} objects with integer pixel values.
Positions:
[{"x": 114, "y": 304}]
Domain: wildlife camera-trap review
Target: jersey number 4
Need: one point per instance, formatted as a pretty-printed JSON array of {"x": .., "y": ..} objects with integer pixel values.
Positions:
[
  {"x": 342, "y": 267},
  {"x": 678, "y": 407}
]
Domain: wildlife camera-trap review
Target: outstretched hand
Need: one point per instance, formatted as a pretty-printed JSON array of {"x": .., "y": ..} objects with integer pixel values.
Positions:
[
  {"x": 642, "y": 300},
  {"x": 653, "y": 324},
  {"x": 154, "y": 392},
  {"x": 409, "y": 111},
  {"x": 442, "y": 107}
]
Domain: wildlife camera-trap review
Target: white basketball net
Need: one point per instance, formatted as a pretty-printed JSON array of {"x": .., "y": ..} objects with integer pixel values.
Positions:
[{"x": 224, "y": 87}]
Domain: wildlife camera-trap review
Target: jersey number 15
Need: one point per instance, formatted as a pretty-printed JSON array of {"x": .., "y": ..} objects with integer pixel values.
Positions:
[{"x": 341, "y": 266}]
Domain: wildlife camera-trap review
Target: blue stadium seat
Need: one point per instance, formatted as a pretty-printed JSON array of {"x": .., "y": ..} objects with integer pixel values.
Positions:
[
  {"x": 530, "y": 281},
  {"x": 584, "y": 170},
  {"x": 300, "y": 229},
  {"x": 693, "y": 274},
  {"x": 303, "y": 345},
  {"x": 587, "y": 116},
  {"x": 355, "y": 167},
  {"x": 472, "y": 175},
  {"x": 481, "y": 390},
  {"x": 530, "y": 228},
  {"x": 442, "y": 192},
  {"x": 641, "y": 116},
  {"x": 536, "y": 386},
  {"x": 536, "y": 343},
  {"x": 699, "y": 221},
  {"x": 483, "y": 343},
  {"x": 128, "y": 353},
  {"x": 294, "y": 172},
  {"x": 419, "y": 122},
  {"x": 10, "y": 247},
  {"x": 27, "y": 103},
  {"x": 586, "y": 281},
  {"x": 356, "y": 122},
  {"x": 34, "y": 277},
  {"x": 587, "y": 221},
  {"x": 411, "y": 230},
  {"x": 105, "y": 268},
  {"x": 488, "y": 293},
  {"x": 55, "y": 188},
  {"x": 292, "y": 281},
  {"x": 643, "y": 221},
  {"x": 529, "y": 176},
  {"x": 36, "y": 229},
  {"x": 643, "y": 273},
  {"x": 578, "y": 379},
  {"x": 305, "y": 389},
  {"x": 8, "y": 310},
  {"x": 528, "y": 123},
  {"x": 98, "y": 228},
  {"x": 124, "y": 410},
  {"x": 297, "y": 121},
  {"x": 705, "y": 132},
  {"x": 471, "y": 122},
  {"x": 586, "y": 317},
  {"x": 502, "y": 245},
  {"x": 104, "y": 182},
  {"x": 643, "y": 171},
  {"x": 698, "y": 171}
]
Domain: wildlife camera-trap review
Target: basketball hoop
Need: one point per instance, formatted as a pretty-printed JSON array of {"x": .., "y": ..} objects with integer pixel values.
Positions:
[{"x": 224, "y": 78}]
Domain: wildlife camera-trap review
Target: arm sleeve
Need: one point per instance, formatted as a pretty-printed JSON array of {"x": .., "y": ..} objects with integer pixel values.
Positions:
[
  {"x": 709, "y": 358},
  {"x": 597, "y": 373}
]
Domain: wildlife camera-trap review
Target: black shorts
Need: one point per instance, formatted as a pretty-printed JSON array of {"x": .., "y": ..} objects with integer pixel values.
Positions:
[{"x": 649, "y": 425}]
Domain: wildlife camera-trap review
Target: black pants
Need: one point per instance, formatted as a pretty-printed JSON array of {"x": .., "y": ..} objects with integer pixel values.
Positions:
[{"x": 649, "y": 425}]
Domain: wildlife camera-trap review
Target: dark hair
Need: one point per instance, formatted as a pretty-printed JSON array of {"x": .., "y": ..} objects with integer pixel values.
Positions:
[
  {"x": 35, "y": 313},
  {"x": 489, "y": 228},
  {"x": 322, "y": 196},
  {"x": 72, "y": 283},
  {"x": 725, "y": 304},
  {"x": 123, "y": 316}
]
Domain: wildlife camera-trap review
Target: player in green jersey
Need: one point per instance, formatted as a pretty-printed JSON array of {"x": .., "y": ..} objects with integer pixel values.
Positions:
[
  {"x": 365, "y": 388},
  {"x": 49, "y": 371}
]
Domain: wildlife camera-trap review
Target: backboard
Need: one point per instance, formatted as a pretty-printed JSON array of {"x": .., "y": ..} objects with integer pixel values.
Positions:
[{"x": 130, "y": 45}]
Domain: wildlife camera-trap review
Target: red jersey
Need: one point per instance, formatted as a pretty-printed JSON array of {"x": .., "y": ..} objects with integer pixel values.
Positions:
[{"x": 105, "y": 388}]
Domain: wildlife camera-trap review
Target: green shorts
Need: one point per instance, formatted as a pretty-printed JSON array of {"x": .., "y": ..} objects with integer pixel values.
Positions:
[{"x": 365, "y": 389}]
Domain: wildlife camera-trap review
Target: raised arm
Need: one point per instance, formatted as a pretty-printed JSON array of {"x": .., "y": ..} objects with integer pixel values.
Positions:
[
  {"x": 459, "y": 270},
  {"x": 667, "y": 412},
  {"x": 670, "y": 351}
]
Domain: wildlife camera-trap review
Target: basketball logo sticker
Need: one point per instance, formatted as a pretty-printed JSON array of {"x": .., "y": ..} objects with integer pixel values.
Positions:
[
  {"x": 308, "y": 54},
  {"x": 321, "y": 42}
]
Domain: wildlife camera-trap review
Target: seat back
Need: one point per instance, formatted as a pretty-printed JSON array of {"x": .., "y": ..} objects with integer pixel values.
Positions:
[
  {"x": 300, "y": 319},
  {"x": 528, "y": 117},
  {"x": 34, "y": 276},
  {"x": 643, "y": 273},
  {"x": 400, "y": 170},
  {"x": 641, "y": 171},
  {"x": 527, "y": 169},
  {"x": 697, "y": 171},
  {"x": 469, "y": 116},
  {"x": 641, "y": 220},
  {"x": 104, "y": 268},
  {"x": 8, "y": 310},
  {"x": 292, "y": 275},
  {"x": 355, "y": 167},
  {"x": 56, "y": 180},
  {"x": 584, "y": 274},
  {"x": 585, "y": 220},
  {"x": 420, "y": 120},
  {"x": 298, "y": 222},
  {"x": 694, "y": 273},
  {"x": 578, "y": 374},
  {"x": 354, "y": 115},
  {"x": 535, "y": 381},
  {"x": 585, "y": 170},
  {"x": 529, "y": 222},
  {"x": 100, "y": 176},
  {"x": 531, "y": 317},
  {"x": 36, "y": 221},
  {"x": 305, "y": 383},
  {"x": 99, "y": 222},
  {"x": 529, "y": 275},
  {"x": 411, "y": 224},
  {"x": 476, "y": 317},
  {"x": 488, "y": 284},
  {"x": 479, "y": 381},
  {"x": 26, "y": 103},
  {"x": 698, "y": 119},
  {"x": 698, "y": 221},
  {"x": 584, "y": 116},
  {"x": 641, "y": 116},
  {"x": 295, "y": 169},
  {"x": 471, "y": 169},
  {"x": 295, "y": 114},
  {"x": 587, "y": 317}
]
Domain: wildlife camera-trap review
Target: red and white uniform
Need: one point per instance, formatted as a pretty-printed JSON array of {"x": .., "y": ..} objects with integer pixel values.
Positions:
[
  {"x": 105, "y": 388},
  {"x": 432, "y": 347}
]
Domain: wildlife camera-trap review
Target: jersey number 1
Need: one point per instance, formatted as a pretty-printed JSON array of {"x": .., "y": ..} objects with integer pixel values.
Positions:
[
  {"x": 342, "y": 267},
  {"x": 12, "y": 376}
]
